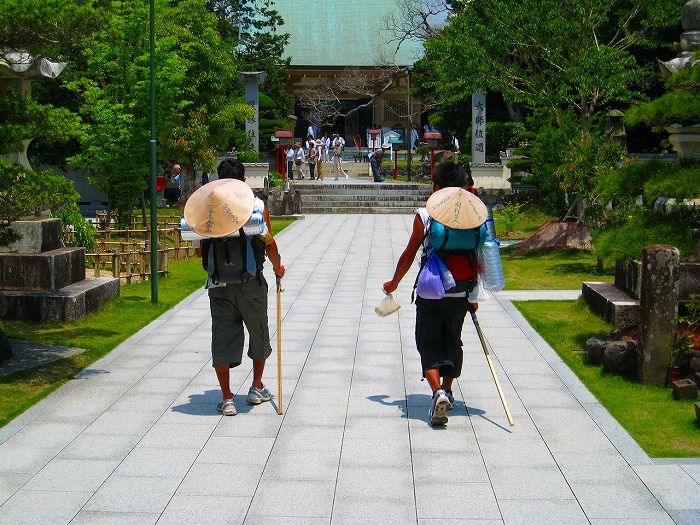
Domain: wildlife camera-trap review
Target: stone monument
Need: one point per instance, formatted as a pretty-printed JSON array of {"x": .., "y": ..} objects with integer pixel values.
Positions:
[
  {"x": 251, "y": 80},
  {"x": 40, "y": 278}
]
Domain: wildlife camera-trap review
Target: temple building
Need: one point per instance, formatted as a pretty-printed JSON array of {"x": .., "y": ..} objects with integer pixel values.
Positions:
[{"x": 348, "y": 41}]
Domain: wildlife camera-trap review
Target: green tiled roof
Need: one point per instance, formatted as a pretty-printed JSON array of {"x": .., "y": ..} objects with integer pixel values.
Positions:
[{"x": 342, "y": 33}]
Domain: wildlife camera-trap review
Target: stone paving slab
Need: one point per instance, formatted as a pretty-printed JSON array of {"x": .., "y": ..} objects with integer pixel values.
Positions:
[{"x": 136, "y": 438}]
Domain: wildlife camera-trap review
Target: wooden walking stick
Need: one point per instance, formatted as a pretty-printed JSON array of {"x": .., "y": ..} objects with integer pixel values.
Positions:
[
  {"x": 484, "y": 344},
  {"x": 279, "y": 344}
]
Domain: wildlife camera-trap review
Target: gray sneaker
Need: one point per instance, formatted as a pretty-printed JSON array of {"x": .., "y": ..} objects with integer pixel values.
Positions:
[
  {"x": 227, "y": 407},
  {"x": 438, "y": 411},
  {"x": 258, "y": 395},
  {"x": 450, "y": 398}
]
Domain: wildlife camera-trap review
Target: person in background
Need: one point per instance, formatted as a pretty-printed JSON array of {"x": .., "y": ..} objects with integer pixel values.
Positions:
[
  {"x": 375, "y": 162},
  {"x": 338, "y": 146},
  {"x": 290, "y": 163},
  {"x": 326, "y": 146},
  {"x": 320, "y": 158},
  {"x": 414, "y": 137},
  {"x": 312, "y": 158},
  {"x": 358, "y": 145},
  {"x": 299, "y": 157},
  {"x": 176, "y": 179},
  {"x": 338, "y": 158}
]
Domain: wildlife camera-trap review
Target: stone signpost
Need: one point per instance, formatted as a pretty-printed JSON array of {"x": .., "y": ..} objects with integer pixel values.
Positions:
[{"x": 658, "y": 306}]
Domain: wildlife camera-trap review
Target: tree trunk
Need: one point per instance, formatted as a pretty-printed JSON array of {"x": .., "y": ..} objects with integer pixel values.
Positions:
[{"x": 515, "y": 111}]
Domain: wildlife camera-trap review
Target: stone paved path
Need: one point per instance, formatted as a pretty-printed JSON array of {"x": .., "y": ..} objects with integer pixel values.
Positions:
[{"x": 136, "y": 438}]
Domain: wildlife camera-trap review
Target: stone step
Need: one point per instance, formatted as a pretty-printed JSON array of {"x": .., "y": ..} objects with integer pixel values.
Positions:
[
  {"x": 359, "y": 196},
  {"x": 378, "y": 210},
  {"x": 70, "y": 303},
  {"x": 358, "y": 184},
  {"x": 359, "y": 205},
  {"x": 611, "y": 303}
]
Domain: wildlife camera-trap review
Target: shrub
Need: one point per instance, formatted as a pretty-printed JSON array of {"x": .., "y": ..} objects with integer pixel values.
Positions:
[
  {"x": 77, "y": 231},
  {"x": 274, "y": 178},
  {"x": 510, "y": 216},
  {"x": 249, "y": 156},
  {"x": 25, "y": 192},
  {"x": 627, "y": 241}
]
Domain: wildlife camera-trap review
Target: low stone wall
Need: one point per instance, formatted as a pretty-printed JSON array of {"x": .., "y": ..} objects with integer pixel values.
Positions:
[
  {"x": 627, "y": 278},
  {"x": 48, "y": 271},
  {"x": 45, "y": 281}
]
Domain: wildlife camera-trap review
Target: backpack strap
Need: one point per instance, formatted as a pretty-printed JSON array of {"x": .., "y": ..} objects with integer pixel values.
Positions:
[
  {"x": 211, "y": 265},
  {"x": 423, "y": 261},
  {"x": 251, "y": 269}
]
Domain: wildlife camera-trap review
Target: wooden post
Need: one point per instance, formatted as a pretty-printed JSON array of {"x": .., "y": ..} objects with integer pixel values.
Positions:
[{"x": 128, "y": 266}]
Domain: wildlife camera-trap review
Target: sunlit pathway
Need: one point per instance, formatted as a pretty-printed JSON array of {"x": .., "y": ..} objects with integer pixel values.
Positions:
[{"x": 137, "y": 440}]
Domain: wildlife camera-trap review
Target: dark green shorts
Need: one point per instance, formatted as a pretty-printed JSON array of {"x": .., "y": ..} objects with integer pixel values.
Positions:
[{"x": 232, "y": 306}]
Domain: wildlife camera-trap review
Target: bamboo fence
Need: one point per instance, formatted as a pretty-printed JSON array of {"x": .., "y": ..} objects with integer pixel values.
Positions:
[{"x": 126, "y": 254}]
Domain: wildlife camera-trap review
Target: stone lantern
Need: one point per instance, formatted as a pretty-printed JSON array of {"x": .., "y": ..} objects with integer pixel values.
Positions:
[{"x": 18, "y": 69}]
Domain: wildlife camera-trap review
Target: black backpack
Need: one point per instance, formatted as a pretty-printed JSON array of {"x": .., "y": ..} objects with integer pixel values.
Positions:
[{"x": 235, "y": 259}]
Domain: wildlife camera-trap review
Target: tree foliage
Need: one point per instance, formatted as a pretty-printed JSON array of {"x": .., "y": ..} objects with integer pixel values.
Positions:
[
  {"x": 633, "y": 220},
  {"x": 25, "y": 192},
  {"x": 197, "y": 112},
  {"x": 679, "y": 105},
  {"x": 42, "y": 27},
  {"x": 259, "y": 43},
  {"x": 548, "y": 54},
  {"x": 23, "y": 118}
]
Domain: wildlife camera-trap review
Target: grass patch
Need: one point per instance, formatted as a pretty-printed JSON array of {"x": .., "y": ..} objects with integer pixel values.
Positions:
[
  {"x": 551, "y": 270},
  {"x": 98, "y": 333},
  {"x": 662, "y": 426}
]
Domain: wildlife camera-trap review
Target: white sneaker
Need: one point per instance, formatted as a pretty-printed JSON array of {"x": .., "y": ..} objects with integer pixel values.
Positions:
[
  {"x": 258, "y": 395},
  {"x": 227, "y": 407},
  {"x": 438, "y": 412}
]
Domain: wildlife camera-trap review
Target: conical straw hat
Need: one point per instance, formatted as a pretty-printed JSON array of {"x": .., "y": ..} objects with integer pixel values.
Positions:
[
  {"x": 219, "y": 208},
  {"x": 457, "y": 208}
]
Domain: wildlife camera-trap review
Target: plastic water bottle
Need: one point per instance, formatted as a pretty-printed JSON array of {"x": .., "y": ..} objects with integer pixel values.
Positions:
[
  {"x": 187, "y": 233},
  {"x": 490, "y": 268},
  {"x": 256, "y": 224},
  {"x": 490, "y": 229}
]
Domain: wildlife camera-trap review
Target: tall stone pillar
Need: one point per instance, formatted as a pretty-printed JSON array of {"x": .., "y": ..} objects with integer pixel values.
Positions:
[
  {"x": 478, "y": 128},
  {"x": 251, "y": 80},
  {"x": 658, "y": 306}
]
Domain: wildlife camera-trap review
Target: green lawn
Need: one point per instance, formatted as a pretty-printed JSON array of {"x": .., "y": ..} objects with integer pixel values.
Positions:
[
  {"x": 662, "y": 426},
  {"x": 551, "y": 270}
]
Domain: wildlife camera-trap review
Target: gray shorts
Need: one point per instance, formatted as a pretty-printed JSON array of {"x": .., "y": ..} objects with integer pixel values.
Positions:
[{"x": 232, "y": 306}]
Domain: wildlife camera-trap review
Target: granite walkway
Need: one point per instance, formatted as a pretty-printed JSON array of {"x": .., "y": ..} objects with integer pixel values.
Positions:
[{"x": 136, "y": 438}]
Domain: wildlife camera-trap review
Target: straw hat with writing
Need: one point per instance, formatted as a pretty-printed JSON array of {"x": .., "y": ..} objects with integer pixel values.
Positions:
[
  {"x": 457, "y": 208},
  {"x": 219, "y": 208}
]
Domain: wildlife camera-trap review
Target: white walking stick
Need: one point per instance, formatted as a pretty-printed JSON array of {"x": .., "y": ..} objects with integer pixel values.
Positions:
[
  {"x": 484, "y": 344},
  {"x": 279, "y": 344}
]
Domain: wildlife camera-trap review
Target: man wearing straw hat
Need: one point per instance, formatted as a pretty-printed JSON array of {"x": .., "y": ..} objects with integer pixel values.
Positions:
[
  {"x": 439, "y": 321},
  {"x": 220, "y": 209}
]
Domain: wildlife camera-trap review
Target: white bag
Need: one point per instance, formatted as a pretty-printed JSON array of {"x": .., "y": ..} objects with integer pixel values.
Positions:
[
  {"x": 479, "y": 293},
  {"x": 387, "y": 306}
]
